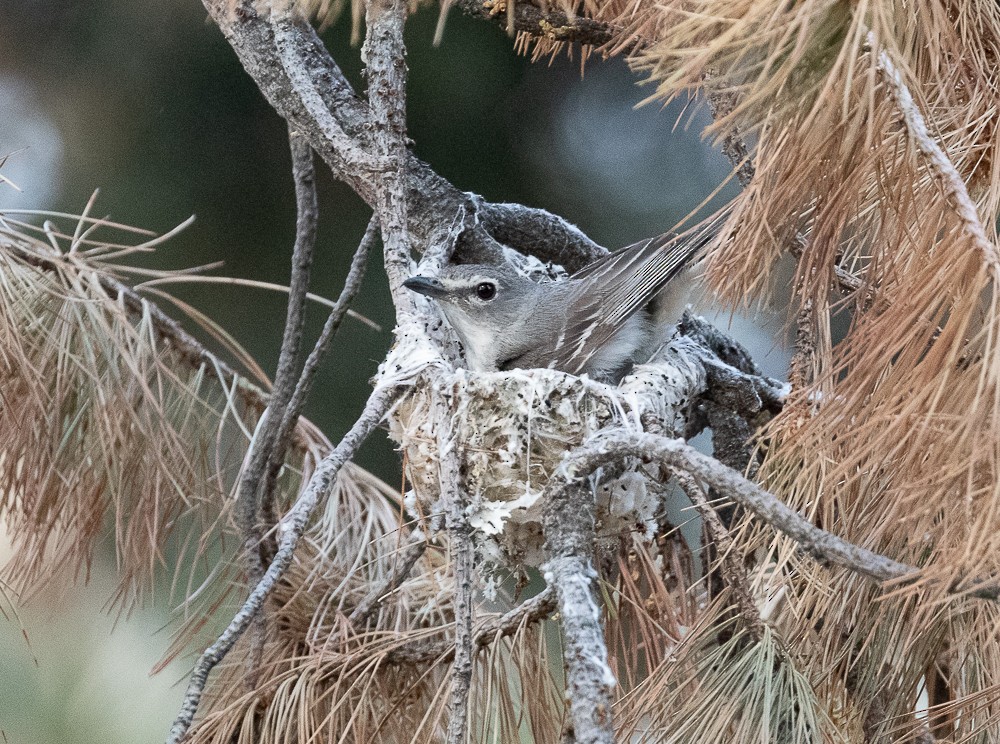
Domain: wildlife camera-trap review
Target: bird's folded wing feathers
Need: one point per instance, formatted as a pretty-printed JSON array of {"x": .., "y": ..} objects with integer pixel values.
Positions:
[{"x": 612, "y": 289}]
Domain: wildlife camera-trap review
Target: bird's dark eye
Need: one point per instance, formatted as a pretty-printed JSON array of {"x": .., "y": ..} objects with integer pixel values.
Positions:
[{"x": 486, "y": 291}]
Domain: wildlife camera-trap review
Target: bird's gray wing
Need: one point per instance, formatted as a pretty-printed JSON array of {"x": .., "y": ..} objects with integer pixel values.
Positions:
[{"x": 610, "y": 290}]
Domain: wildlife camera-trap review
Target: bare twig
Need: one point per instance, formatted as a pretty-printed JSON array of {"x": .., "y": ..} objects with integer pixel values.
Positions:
[
  {"x": 569, "y": 545},
  {"x": 306, "y": 87},
  {"x": 352, "y": 284},
  {"x": 462, "y": 561},
  {"x": 401, "y": 569},
  {"x": 532, "y": 610},
  {"x": 263, "y": 448},
  {"x": 612, "y": 445},
  {"x": 734, "y": 147},
  {"x": 954, "y": 184},
  {"x": 802, "y": 372},
  {"x": 291, "y": 529}
]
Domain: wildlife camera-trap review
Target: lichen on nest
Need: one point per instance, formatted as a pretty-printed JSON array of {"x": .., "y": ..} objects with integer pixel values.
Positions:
[{"x": 513, "y": 430}]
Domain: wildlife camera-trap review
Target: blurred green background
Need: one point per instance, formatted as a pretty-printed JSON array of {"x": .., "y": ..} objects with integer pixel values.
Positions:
[{"x": 145, "y": 100}]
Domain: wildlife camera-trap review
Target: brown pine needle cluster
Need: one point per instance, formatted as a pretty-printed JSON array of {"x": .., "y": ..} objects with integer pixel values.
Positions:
[
  {"x": 872, "y": 132},
  {"x": 865, "y": 135},
  {"x": 113, "y": 416}
]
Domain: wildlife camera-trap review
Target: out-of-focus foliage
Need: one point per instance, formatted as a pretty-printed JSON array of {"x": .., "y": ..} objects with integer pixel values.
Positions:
[
  {"x": 147, "y": 102},
  {"x": 890, "y": 436}
]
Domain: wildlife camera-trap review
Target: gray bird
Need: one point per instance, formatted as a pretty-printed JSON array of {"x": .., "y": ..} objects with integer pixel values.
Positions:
[{"x": 597, "y": 322}]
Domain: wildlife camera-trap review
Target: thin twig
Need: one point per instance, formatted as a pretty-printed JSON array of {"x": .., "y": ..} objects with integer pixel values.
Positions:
[
  {"x": 530, "y": 611},
  {"x": 954, "y": 184},
  {"x": 462, "y": 561},
  {"x": 612, "y": 445},
  {"x": 291, "y": 529},
  {"x": 263, "y": 448},
  {"x": 404, "y": 563},
  {"x": 352, "y": 285},
  {"x": 569, "y": 546},
  {"x": 722, "y": 103}
]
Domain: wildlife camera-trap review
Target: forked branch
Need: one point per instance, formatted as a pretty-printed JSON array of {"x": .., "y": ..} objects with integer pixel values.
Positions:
[
  {"x": 296, "y": 74},
  {"x": 613, "y": 446},
  {"x": 267, "y": 449}
]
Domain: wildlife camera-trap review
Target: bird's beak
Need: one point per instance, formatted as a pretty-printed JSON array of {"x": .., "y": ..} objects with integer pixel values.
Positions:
[{"x": 425, "y": 285}]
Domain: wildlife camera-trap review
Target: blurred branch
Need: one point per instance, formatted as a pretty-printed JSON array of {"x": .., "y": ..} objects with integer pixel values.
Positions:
[
  {"x": 291, "y": 528},
  {"x": 952, "y": 181},
  {"x": 255, "y": 491},
  {"x": 301, "y": 81}
]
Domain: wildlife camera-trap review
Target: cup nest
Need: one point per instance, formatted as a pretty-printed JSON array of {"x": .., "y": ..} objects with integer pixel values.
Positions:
[{"x": 514, "y": 428}]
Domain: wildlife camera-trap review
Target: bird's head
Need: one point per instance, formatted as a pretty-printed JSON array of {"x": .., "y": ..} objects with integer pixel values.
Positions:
[{"x": 486, "y": 305}]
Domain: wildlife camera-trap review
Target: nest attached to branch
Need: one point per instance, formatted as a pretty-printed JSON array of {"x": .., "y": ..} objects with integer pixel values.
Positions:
[{"x": 513, "y": 430}]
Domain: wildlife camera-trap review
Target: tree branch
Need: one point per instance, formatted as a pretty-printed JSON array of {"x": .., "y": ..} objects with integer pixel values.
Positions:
[
  {"x": 301, "y": 81},
  {"x": 385, "y": 58},
  {"x": 734, "y": 381},
  {"x": 463, "y": 564},
  {"x": 532, "y": 610},
  {"x": 546, "y": 23},
  {"x": 733, "y": 571},
  {"x": 401, "y": 569},
  {"x": 352, "y": 285},
  {"x": 954, "y": 184},
  {"x": 569, "y": 545},
  {"x": 611, "y": 446},
  {"x": 291, "y": 529},
  {"x": 253, "y": 485}
]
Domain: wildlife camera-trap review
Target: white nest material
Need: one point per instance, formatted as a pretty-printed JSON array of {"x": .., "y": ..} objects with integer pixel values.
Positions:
[{"x": 513, "y": 430}]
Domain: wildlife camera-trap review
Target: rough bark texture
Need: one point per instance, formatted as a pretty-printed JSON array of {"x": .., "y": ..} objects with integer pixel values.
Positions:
[
  {"x": 301, "y": 81},
  {"x": 569, "y": 545}
]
